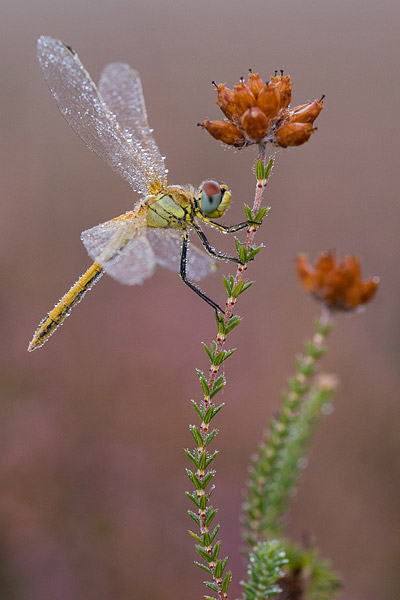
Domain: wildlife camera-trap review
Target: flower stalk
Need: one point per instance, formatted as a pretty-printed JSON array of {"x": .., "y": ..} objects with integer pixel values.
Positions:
[{"x": 203, "y": 434}]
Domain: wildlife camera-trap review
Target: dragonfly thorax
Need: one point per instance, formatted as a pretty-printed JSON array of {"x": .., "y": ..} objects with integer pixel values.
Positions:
[{"x": 173, "y": 207}]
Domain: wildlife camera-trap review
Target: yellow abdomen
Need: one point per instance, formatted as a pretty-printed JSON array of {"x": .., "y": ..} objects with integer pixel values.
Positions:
[{"x": 62, "y": 309}]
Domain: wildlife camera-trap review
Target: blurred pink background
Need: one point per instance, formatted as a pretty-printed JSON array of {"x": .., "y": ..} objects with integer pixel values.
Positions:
[{"x": 93, "y": 425}]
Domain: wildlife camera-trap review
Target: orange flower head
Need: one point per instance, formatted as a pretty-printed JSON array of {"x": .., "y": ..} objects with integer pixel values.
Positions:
[
  {"x": 339, "y": 286},
  {"x": 259, "y": 113}
]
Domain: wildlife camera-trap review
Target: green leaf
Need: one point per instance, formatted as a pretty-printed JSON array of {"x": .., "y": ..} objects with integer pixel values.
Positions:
[
  {"x": 322, "y": 328},
  {"x": 196, "y": 434},
  {"x": 208, "y": 351},
  {"x": 215, "y": 551},
  {"x": 210, "y": 459},
  {"x": 228, "y": 286},
  {"x": 211, "y": 512},
  {"x": 202, "y": 461},
  {"x": 216, "y": 389},
  {"x": 195, "y": 517},
  {"x": 222, "y": 356},
  {"x": 226, "y": 582},
  {"x": 203, "y": 502},
  {"x": 203, "y": 381},
  {"x": 204, "y": 567},
  {"x": 212, "y": 536},
  {"x": 218, "y": 408},
  {"x": 261, "y": 214},
  {"x": 237, "y": 289},
  {"x": 268, "y": 168},
  {"x": 218, "y": 381},
  {"x": 249, "y": 213},
  {"x": 193, "y": 498},
  {"x": 211, "y": 585},
  {"x": 203, "y": 553},
  {"x": 209, "y": 412},
  {"x": 253, "y": 251},
  {"x": 206, "y": 539},
  {"x": 195, "y": 480},
  {"x": 220, "y": 323},
  {"x": 192, "y": 457},
  {"x": 242, "y": 255},
  {"x": 218, "y": 569},
  {"x": 195, "y": 536},
  {"x": 197, "y": 409},
  {"x": 207, "y": 478},
  {"x": 211, "y": 436},
  {"x": 260, "y": 171},
  {"x": 232, "y": 323}
]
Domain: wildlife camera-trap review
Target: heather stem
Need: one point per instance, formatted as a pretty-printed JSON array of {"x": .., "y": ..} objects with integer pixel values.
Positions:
[{"x": 241, "y": 269}]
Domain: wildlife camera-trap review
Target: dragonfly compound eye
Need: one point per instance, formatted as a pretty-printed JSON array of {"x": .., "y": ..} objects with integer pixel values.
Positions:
[{"x": 214, "y": 199}]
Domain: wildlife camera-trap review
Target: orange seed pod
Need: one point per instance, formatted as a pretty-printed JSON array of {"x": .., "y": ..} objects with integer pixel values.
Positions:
[
  {"x": 226, "y": 100},
  {"x": 224, "y": 131},
  {"x": 307, "y": 113},
  {"x": 244, "y": 98},
  {"x": 255, "y": 123},
  {"x": 293, "y": 134},
  {"x": 268, "y": 100},
  {"x": 284, "y": 88},
  {"x": 255, "y": 84}
]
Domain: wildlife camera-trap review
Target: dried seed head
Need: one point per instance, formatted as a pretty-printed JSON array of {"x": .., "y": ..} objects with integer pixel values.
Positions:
[
  {"x": 258, "y": 113},
  {"x": 339, "y": 286}
]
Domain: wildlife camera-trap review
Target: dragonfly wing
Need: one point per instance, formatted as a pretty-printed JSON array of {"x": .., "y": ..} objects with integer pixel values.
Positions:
[
  {"x": 120, "y": 246},
  {"x": 86, "y": 112},
  {"x": 121, "y": 88},
  {"x": 167, "y": 246}
]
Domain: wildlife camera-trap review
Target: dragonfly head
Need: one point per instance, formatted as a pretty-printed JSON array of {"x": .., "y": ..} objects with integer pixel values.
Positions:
[{"x": 213, "y": 199}]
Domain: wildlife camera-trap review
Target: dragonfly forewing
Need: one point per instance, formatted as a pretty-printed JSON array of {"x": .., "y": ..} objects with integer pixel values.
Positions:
[{"x": 87, "y": 113}]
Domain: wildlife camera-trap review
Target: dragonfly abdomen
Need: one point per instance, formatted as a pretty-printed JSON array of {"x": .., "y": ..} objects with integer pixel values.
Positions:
[{"x": 62, "y": 309}]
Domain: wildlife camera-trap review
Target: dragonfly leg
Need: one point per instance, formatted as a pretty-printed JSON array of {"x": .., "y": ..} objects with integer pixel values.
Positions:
[
  {"x": 212, "y": 250},
  {"x": 183, "y": 275},
  {"x": 230, "y": 228}
]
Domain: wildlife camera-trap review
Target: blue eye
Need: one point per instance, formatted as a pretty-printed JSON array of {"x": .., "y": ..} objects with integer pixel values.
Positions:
[{"x": 210, "y": 203}]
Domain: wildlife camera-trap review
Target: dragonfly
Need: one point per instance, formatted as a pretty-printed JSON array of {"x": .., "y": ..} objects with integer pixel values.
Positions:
[{"x": 112, "y": 120}]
